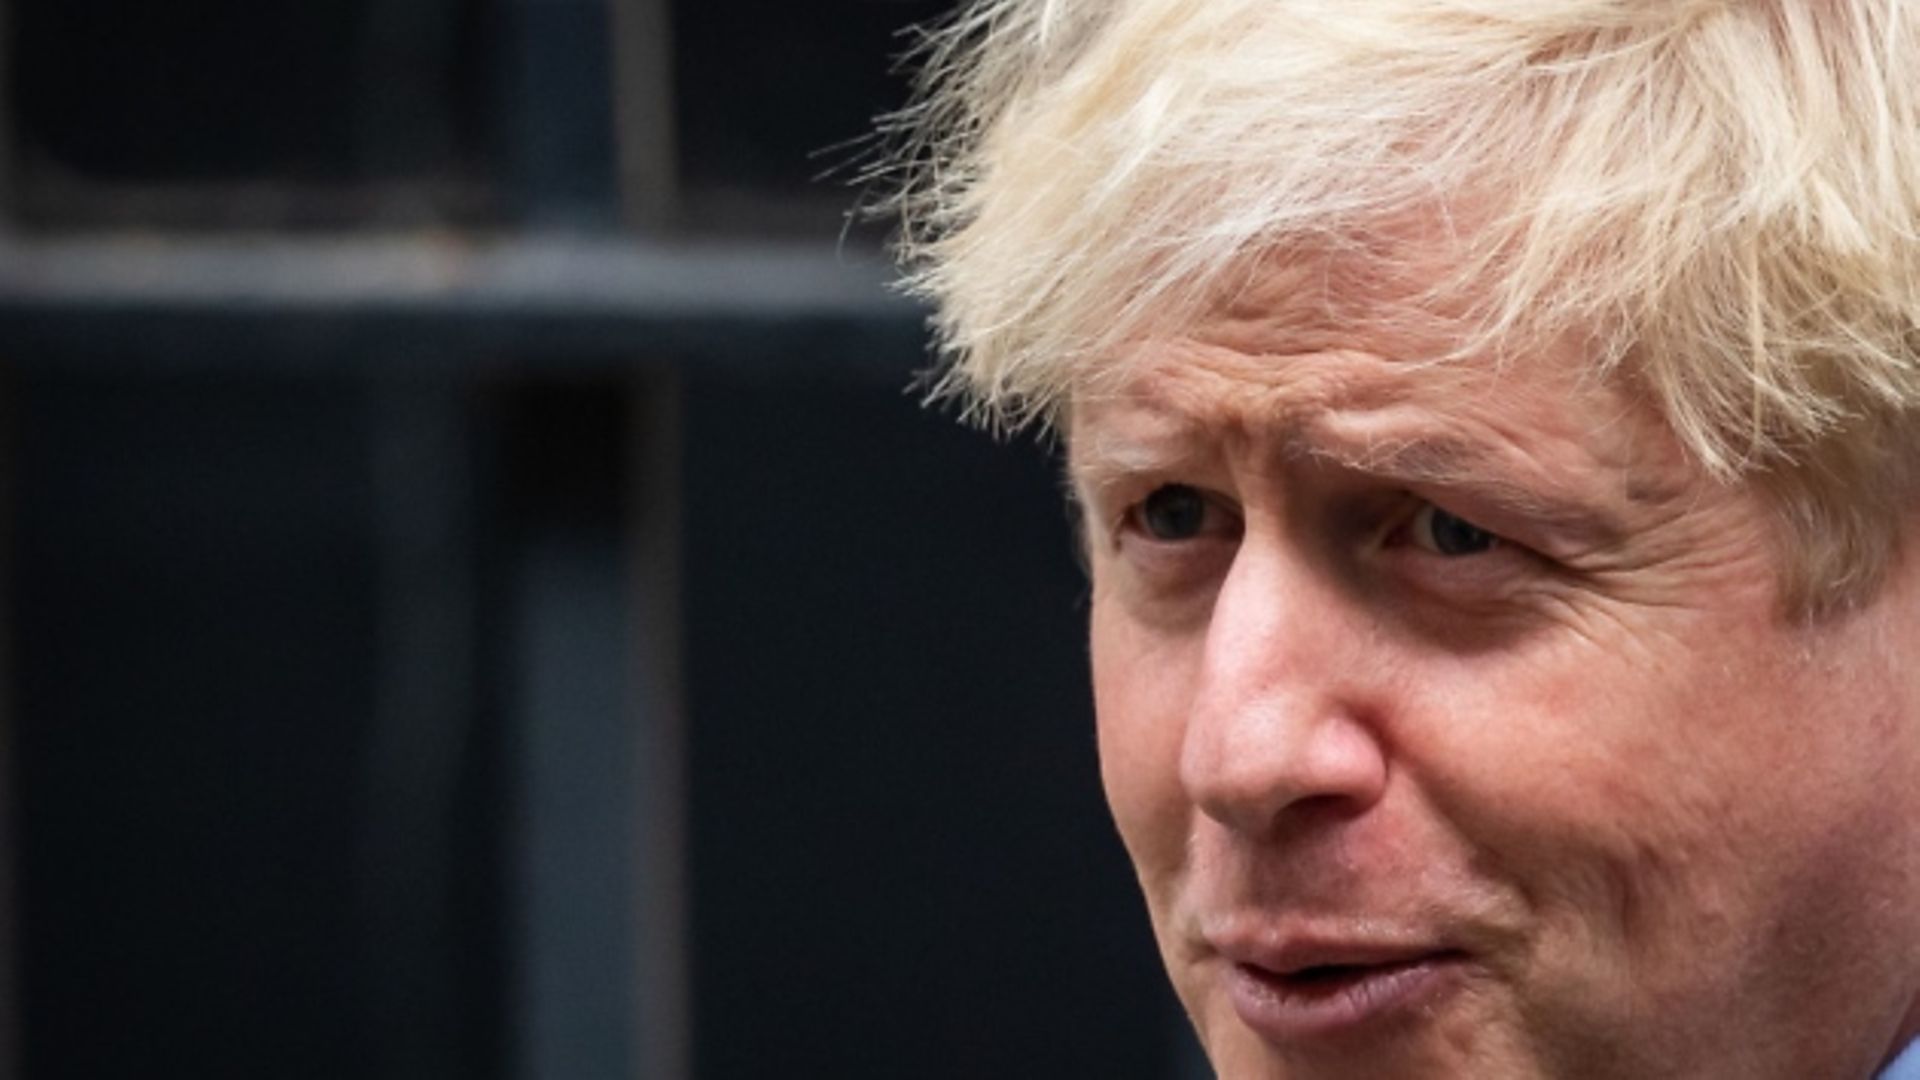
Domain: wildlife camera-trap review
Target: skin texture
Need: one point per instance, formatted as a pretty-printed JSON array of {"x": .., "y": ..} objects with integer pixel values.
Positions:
[{"x": 1638, "y": 822}]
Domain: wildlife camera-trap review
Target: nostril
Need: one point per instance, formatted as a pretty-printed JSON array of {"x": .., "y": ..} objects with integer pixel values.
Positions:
[{"x": 1327, "y": 808}]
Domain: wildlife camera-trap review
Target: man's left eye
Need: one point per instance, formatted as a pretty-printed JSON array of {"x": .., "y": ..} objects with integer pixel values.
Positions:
[{"x": 1433, "y": 529}]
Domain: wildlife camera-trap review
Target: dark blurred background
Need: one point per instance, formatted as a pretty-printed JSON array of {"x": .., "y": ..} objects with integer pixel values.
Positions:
[{"x": 479, "y": 598}]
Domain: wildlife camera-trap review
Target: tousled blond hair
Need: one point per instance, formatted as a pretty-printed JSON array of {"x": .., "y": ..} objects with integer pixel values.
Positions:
[{"x": 1720, "y": 197}]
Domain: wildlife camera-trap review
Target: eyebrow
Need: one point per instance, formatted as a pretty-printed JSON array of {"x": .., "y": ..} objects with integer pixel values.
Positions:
[
  {"x": 1428, "y": 460},
  {"x": 1447, "y": 462},
  {"x": 1112, "y": 460}
]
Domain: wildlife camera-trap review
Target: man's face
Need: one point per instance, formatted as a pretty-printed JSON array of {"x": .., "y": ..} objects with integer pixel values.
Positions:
[{"x": 1453, "y": 726}]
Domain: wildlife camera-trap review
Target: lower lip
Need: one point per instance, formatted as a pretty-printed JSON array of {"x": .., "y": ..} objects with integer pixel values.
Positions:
[{"x": 1292, "y": 1010}]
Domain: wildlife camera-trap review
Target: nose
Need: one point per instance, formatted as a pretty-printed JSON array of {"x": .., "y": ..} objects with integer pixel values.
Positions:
[{"x": 1282, "y": 718}]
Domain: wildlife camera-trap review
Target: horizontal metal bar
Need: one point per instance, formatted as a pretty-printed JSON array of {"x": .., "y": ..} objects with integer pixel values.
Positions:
[
  {"x": 554, "y": 274},
  {"x": 161, "y": 298}
]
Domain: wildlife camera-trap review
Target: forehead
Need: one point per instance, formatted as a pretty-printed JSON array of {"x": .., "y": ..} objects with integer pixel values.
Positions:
[
  {"x": 1352, "y": 299},
  {"x": 1279, "y": 370},
  {"x": 1247, "y": 373}
]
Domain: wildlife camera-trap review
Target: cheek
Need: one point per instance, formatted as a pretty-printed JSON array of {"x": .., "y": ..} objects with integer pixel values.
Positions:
[
  {"x": 1140, "y": 686},
  {"x": 1660, "y": 811},
  {"x": 1614, "y": 787}
]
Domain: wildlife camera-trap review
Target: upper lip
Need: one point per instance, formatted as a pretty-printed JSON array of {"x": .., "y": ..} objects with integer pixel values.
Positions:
[{"x": 1292, "y": 954}]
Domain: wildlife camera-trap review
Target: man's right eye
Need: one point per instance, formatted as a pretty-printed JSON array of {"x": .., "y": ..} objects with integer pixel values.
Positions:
[{"x": 1173, "y": 512}]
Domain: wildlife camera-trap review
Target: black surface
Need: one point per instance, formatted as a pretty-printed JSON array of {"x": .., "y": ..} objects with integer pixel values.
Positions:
[
  {"x": 202, "y": 90},
  {"x": 771, "y": 94},
  {"x": 900, "y": 861},
  {"x": 196, "y": 630},
  {"x": 902, "y": 864}
]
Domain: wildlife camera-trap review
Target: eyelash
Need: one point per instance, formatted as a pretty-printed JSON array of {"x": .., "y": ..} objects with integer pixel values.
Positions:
[
  {"x": 1403, "y": 530},
  {"x": 1461, "y": 531},
  {"x": 1136, "y": 518}
]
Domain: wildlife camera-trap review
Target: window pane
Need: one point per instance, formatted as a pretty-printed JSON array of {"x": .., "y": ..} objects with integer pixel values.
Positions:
[
  {"x": 130, "y": 93},
  {"x": 768, "y": 88}
]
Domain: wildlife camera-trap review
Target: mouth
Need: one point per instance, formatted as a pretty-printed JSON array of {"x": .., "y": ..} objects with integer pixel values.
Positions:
[{"x": 1295, "y": 1001}]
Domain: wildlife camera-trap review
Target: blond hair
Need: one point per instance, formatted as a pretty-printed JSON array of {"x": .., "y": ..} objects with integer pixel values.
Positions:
[{"x": 1721, "y": 196}]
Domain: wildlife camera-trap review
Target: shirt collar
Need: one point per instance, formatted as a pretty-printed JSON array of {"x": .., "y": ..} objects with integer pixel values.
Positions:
[{"x": 1906, "y": 1066}]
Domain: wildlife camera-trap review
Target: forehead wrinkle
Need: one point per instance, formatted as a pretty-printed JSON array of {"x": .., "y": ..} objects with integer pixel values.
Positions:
[
  {"x": 1435, "y": 458},
  {"x": 1365, "y": 431},
  {"x": 1597, "y": 484},
  {"x": 1442, "y": 462},
  {"x": 1422, "y": 442},
  {"x": 1191, "y": 401},
  {"x": 1223, "y": 386},
  {"x": 1101, "y": 460}
]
